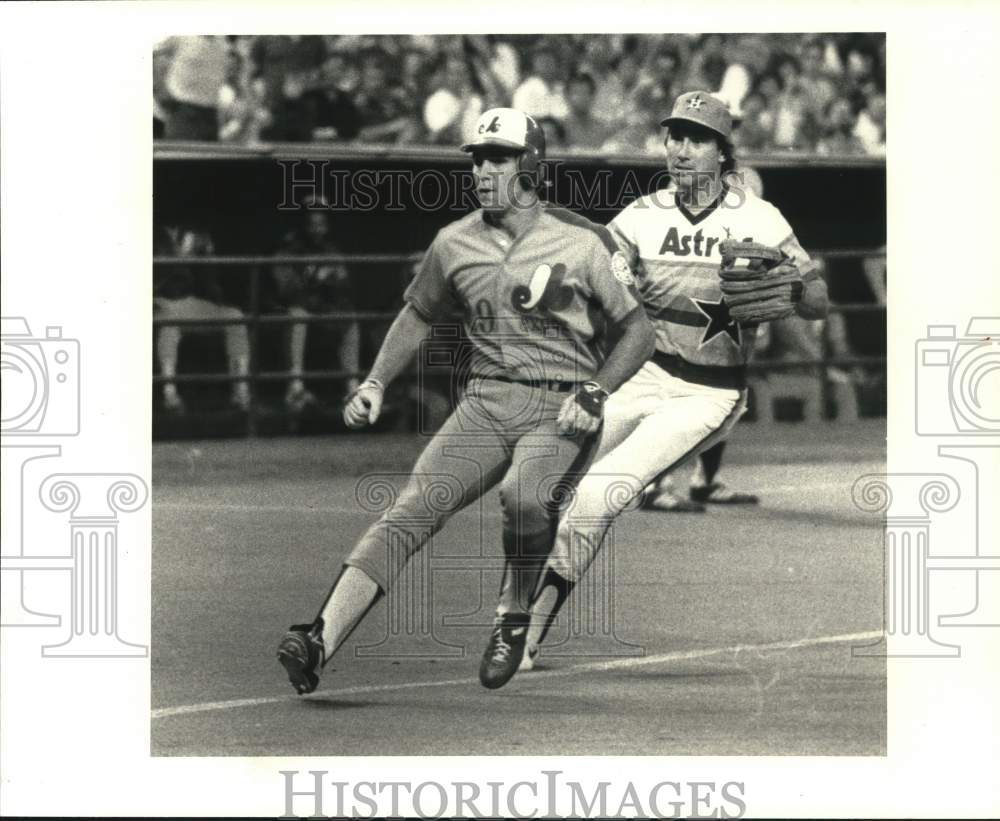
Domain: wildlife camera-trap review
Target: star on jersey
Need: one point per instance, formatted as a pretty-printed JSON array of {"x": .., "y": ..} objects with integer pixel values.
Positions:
[{"x": 719, "y": 321}]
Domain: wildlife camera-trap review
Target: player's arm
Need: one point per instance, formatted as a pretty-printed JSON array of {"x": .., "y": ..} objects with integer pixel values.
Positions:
[
  {"x": 405, "y": 334},
  {"x": 814, "y": 303},
  {"x": 630, "y": 338},
  {"x": 427, "y": 298},
  {"x": 631, "y": 342}
]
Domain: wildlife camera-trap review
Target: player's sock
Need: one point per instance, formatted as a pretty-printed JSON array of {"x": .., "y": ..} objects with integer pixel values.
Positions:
[
  {"x": 711, "y": 461},
  {"x": 352, "y": 596},
  {"x": 526, "y": 555},
  {"x": 552, "y": 594}
]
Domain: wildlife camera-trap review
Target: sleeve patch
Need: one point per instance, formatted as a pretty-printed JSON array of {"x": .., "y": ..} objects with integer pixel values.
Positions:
[{"x": 621, "y": 270}]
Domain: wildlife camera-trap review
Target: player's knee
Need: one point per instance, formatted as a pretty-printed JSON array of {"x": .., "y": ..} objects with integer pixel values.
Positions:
[
  {"x": 523, "y": 509},
  {"x": 420, "y": 508}
]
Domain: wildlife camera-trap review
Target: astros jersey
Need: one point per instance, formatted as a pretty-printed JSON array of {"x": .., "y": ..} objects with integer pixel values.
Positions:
[
  {"x": 675, "y": 257},
  {"x": 534, "y": 307}
]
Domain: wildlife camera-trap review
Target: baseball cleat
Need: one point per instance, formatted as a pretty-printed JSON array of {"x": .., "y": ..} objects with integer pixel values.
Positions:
[
  {"x": 670, "y": 502},
  {"x": 528, "y": 661},
  {"x": 505, "y": 650},
  {"x": 301, "y": 654},
  {"x": 718, "y": 494}
]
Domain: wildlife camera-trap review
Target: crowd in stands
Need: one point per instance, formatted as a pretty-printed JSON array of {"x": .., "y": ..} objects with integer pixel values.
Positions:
[{"x": 820, "y": 93}]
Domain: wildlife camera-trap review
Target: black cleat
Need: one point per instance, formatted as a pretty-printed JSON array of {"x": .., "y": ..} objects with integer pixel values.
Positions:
[
  {"x": 301, "y": 654},
  {"x": 505, "y": 650}
]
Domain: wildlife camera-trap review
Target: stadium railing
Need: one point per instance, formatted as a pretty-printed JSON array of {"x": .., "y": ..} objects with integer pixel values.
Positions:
[
  {"x": 171, "y": 150},
  {"x": 254, "y": 266},
  {"x": 188, "y": 153}
]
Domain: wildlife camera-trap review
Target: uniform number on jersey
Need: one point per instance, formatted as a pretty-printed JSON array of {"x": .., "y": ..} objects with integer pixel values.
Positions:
[{"x": 485, "y": 321}]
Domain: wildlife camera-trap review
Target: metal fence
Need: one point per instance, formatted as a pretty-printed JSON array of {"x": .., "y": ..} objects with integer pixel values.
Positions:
[{"x": 255, "y": 266}]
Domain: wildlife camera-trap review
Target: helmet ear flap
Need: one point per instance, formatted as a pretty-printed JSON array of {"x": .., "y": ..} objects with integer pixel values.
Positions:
[{"x": 529, "y": 165}]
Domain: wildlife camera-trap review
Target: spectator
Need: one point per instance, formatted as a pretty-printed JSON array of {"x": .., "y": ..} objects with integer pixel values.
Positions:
[
  {"x": 640, "y": 132},
  {"x": 451, "y": 112},
  {"x": 583, "y": 130},
  {"x": 870, "y": 127},
  {"x": 325, "y": 112},
  {"x": 664, "y": 76},
  {"x": 541, "y": 94},
  {"x": 814, "y": 82},
  {"x": 838, "y": 130},
  {"x": 243, "y": 109},
  {"x": 192, "y": 81},
  {"x": 615, "y": 97},
  {"x": 386, "y": 115},
  {"x": 304, "y": 290},
  {"x": 737, "y": 78},
  {"x": 179, "y": 292},
  {"x": 502, "y": 62},
  {"x": 793, "y": 125},
  {"x": 756, "y": 129},
  {"x": 708, "y": 63},
  {"x": 289, "y": 63}
]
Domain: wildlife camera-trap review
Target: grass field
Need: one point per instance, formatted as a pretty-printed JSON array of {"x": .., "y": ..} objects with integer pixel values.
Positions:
[{"x": 732, "y": 629}]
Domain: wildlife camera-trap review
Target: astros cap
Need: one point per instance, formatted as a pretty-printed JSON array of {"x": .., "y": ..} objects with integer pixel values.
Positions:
[
  {"x": 703, "y": 109},
  {"x": 508, "y": 128}
]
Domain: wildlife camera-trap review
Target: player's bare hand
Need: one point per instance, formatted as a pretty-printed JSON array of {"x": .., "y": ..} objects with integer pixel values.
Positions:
[{"x": 364, "y": 405}]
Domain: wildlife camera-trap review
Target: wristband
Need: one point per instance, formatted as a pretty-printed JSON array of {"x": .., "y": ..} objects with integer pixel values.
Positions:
[
  {"x": 591, "y": 397},
  {"x": 375, "y": 383}
]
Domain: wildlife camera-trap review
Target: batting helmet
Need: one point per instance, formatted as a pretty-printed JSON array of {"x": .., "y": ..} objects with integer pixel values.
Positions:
[{"x": 512, "y": 129}]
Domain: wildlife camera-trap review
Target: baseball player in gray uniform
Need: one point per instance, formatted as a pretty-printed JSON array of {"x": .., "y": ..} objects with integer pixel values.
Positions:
[{"x": 542, "y": 294}]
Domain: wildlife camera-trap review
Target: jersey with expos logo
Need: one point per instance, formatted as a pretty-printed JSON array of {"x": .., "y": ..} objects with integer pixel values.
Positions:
[
  {"x": 675, "y": 258},
  {"x": 534, "y": 308}
]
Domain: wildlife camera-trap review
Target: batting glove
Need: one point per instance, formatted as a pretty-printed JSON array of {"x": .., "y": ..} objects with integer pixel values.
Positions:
[
  {"x": 364, "y": 404},
  {"x": 581, "y": 414}
]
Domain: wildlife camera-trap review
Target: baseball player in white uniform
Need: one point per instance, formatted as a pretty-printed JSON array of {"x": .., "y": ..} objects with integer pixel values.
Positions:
[{"x": 693, "y": 390}]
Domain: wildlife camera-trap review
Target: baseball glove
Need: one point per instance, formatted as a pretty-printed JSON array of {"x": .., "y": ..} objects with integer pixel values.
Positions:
[{"x": 759, "y": 282}]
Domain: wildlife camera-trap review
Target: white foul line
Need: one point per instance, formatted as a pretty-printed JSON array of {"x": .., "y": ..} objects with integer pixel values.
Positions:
[{"x": 590, "y": 667}]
